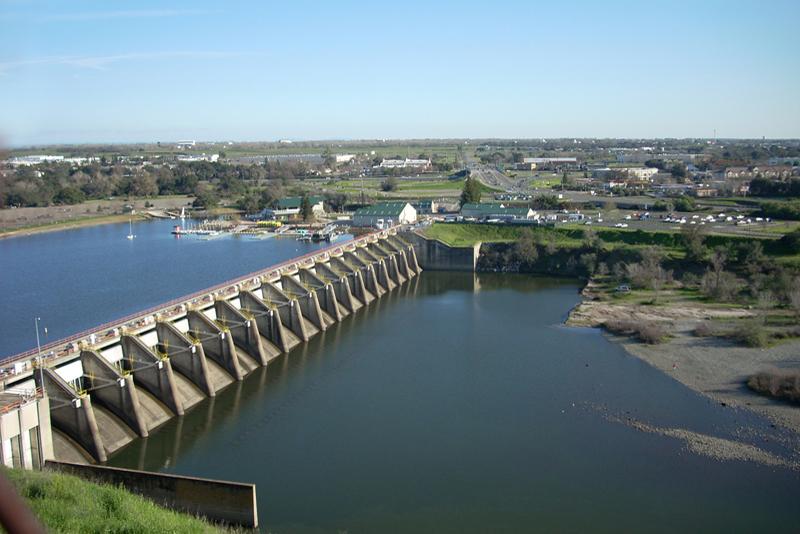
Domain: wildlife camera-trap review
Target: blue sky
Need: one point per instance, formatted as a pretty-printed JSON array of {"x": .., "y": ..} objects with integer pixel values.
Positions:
[{"x": 83, "y": 71}]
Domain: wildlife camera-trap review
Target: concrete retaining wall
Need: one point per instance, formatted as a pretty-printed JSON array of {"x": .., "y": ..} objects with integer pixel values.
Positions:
[
  {"x": 219, "y": 501},
  {"x": 433, "y": 255}
]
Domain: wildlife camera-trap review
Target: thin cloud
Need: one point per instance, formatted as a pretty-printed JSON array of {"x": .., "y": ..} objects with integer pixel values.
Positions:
[
  {"x": 131, "y": 14},
  {"x": 101, "y": 62}
]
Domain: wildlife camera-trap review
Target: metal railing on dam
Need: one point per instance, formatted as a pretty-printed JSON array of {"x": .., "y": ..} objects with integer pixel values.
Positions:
[{"x": 122, "y": 379}]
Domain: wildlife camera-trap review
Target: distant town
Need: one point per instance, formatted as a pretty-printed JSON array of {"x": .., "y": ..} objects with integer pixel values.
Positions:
[{"x": 611, "y": 182}]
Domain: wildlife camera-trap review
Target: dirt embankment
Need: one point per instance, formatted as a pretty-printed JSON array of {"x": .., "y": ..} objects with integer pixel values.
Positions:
[
  {"x": 23, "y": 221},
  {"x": 713, "y": 366}
]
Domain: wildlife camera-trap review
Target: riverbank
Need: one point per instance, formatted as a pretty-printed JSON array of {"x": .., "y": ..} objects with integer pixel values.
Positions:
[
  {"x": 27, "y": 221},
  {"x": 18, "y": 222},
  {"x": 713, "y": 366},
  {"x": 69, "y": 225}
]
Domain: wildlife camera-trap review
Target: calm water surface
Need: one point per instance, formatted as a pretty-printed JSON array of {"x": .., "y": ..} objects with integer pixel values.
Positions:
[
  {"x": 77, "y": 279},
  {"x": 458, "y": 404},
  {"x": 454, "y": 404}
]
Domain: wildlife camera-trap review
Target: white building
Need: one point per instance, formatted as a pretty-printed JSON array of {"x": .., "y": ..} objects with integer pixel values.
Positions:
[
  {"x": 33, "y": 160},
  {"x": 405, "y": 163},
  {"x": 640, "y": 173},
  {"x": 25, "y": 432},
  {"x": 186, "y": 144},
  {"x": 195, "y": 157},
  {"x": 385, "y": 215},
  {"x": 345, "y": 158}
]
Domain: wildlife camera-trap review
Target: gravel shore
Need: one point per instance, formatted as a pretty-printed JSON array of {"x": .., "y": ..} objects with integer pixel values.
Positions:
[{"x": 715, "y": 367}]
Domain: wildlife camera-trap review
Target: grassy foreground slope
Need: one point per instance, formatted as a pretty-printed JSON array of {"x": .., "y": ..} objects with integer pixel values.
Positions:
[{"x": 65, "y": 503}]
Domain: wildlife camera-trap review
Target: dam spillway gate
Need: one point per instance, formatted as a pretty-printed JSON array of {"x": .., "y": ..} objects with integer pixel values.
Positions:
[{"x": 114, "y": 383}]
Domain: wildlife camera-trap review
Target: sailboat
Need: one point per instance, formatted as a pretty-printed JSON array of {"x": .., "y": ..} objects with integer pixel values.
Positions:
[
  {"x": 130, "y": 229},
  {"x": 183, "y": 213}
]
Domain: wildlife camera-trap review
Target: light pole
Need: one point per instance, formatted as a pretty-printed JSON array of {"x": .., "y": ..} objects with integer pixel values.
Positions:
[
  {"x": 39, "y": 354},
  {"x": 41, "y": 384}
]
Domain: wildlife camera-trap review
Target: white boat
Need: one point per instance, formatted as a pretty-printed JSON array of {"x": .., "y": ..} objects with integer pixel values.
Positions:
[{"x": 130, "y": 229}]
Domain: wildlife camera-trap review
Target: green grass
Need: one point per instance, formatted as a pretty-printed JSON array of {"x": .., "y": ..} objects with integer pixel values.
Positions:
[
  {"x": 466, "y": 234},
  {"x": 460, "y": 235},
  {"x": 65, "y": 503}
]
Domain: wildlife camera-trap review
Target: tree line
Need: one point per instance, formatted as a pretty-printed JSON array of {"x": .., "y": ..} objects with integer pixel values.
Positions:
[{"x": 61, "y": 183}]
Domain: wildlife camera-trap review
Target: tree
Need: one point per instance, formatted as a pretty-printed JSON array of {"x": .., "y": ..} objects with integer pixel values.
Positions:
[
  {"x": 566, "y": 181},
  {"x": 678, "y": 171},
  {"x": 684, "y": 203},
  {"x": 649, "y": 273},
  {"x": 250, "y": 202},
  {"x": 794, "y": 295},
  {"x": 336, "y": 201},
  {"x": 143, "y": 184},
  {"x": 270, "y": 195},
  {"x": 472, "y": 191},
  {"x": 390, "y": 184},
  {"x": 525, "y": 248},
  {"x": 205, "y": 197},
  {"x": 694, "y": 241},
  {"x": 718, "y": 283},
  {"x": 306, "y": 210}
]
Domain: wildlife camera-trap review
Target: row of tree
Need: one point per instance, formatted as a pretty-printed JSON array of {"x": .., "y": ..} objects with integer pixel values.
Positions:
[{"x": 59, "y": 183}]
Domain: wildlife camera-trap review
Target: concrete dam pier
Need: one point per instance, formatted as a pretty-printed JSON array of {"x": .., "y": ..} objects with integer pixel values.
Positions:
[{"x": 114, "y": 383}]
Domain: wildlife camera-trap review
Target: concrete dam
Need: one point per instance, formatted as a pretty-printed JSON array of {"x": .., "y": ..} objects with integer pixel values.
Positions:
[{"x": 114, "y": 383}]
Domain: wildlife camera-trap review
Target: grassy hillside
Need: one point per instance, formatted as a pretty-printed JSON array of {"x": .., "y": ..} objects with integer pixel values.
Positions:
[{"x": 66, "y": 503}]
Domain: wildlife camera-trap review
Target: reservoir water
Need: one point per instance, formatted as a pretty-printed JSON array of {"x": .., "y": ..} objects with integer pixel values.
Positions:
[
  {"x": 77, "y": 279},
  {"x": 457, "y": 403}
]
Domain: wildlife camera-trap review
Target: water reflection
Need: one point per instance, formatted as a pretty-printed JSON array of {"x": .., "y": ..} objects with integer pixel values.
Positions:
[{"x": 451, "y": 404}]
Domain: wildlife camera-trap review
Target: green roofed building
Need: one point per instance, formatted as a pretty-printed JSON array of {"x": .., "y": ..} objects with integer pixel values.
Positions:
[
  {"x": 292, "y": 203},
  {"x": 385, "y": 215},
  {"x": 493, "y": 210}
]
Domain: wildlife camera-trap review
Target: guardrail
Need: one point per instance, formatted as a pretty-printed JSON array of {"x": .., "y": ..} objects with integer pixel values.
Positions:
[
  {"x": 23, "y": 398},
  {"x": 203, "y": 294}
]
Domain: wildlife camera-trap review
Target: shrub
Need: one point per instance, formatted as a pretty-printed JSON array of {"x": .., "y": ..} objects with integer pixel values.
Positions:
[
  {"x": 791, "y": 242},
  {"x": 647, "y": 332},
  {"x": 751, "y": 334},
  {"x": 703, "y": 330},
  {"x": 777, "y": 383}
]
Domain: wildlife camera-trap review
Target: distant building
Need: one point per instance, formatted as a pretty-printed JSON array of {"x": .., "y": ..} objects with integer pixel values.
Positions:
[
  {"x": 295, "y": 203},
  {"x": 492, "y": 210},
  {"x": 345, "y": 158},
  {"x": 385, "y": 215},
  {"x": 190, "y": 158},
  {"x": 764, "y": 171},
  {"x": 425, "y": 206},
  {"x": 33, "y": 160},
  {"x": 638, "y": 173},
  {"x": 186, "y": 144},
  {"x": 642, "y": 156},
  {"x": 421, "y": 164},
  {"x": 536, "y": 163}
]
